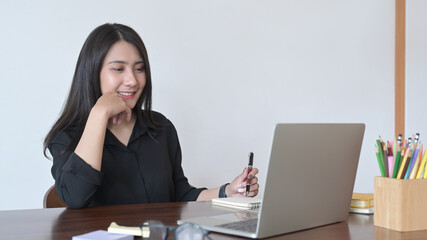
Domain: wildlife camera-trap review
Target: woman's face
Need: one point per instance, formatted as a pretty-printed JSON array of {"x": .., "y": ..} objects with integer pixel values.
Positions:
[{"x": 123, "y": 72}]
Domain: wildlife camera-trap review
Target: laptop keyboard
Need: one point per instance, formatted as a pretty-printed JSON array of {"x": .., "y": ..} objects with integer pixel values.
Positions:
[{"x": 245, "y": 225}]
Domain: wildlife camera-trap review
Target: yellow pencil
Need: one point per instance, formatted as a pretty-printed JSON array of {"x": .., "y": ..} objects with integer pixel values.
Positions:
[
  {"x": 422, "y": 166},
  {"x": 417, "y": 163},
  {"x": 402, "y": 165}
]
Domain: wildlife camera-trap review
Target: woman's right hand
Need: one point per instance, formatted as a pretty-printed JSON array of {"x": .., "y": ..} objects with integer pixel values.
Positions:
[
  {"x": 91, "y": 144},
  {"x": 114, "y": 107}
]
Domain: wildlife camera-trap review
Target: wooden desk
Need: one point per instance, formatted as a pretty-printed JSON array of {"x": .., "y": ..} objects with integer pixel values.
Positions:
[{"x": 63, "y": 223}]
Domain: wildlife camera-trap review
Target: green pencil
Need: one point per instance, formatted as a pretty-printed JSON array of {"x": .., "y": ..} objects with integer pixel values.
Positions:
[
  {"x": 397, "y": 163},
  {"x": 380, "y": 159}
]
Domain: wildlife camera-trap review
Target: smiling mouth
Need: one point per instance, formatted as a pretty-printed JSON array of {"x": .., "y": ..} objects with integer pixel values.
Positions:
[{"x": 126, "y": 94}]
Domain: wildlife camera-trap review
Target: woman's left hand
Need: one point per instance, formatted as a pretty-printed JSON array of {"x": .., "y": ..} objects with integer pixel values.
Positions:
[{"x": 238, "y": 186}]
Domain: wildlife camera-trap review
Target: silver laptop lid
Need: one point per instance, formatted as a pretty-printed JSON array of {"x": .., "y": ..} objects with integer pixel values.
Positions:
[{"x": 310, "y": 176}]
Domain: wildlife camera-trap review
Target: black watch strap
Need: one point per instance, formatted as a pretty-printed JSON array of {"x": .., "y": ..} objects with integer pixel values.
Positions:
[{"x": 221, "y": 193}]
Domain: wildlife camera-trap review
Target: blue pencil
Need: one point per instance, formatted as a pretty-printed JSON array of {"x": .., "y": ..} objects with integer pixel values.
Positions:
[{"x": 411, "y": 164}]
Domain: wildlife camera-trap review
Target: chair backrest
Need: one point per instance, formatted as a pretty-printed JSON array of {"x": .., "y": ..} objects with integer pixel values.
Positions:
[{"x": 51, "y": 199}]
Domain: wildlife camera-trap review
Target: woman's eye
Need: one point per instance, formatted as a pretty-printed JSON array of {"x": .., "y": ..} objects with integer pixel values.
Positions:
[
  {"x": 118, "y": 69},
  {"x": 140, "y": 69}
]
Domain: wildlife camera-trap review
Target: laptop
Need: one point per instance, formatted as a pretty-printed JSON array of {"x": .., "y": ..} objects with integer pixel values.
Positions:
[{"x": 309, "y": 182}]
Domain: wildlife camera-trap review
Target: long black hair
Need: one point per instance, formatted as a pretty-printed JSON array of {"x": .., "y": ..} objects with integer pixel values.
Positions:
[{"x": 85, "y": 88}]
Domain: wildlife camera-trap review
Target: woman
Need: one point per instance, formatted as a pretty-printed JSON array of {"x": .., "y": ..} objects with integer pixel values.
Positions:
[{"x": 108, "y": 146}]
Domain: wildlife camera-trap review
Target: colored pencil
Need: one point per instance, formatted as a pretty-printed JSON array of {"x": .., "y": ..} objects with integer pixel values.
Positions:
[
  {"x": 380, "y": 161},
  {"x": 404, "y": 162},
  {"x": 385, "y": 159},
  {"x": 405, "y": 165},
  {"x": 397, "y": 162},
  {"x": 422, "y": 166},
  {"x": 413, "y": 160},
  {"x": 390, "y": 159},
  {"x": 416, "y": 164}
]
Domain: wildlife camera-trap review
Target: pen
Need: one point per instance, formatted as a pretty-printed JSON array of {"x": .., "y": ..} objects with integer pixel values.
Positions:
[{"x": 250, "y": 164}]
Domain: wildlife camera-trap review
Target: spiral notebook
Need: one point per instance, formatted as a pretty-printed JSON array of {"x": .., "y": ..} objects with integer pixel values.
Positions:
[{"x": 238, "y": 202}]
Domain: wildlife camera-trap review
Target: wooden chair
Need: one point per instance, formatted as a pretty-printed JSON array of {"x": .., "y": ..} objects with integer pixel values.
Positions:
[{"x": 51, "y": 199}]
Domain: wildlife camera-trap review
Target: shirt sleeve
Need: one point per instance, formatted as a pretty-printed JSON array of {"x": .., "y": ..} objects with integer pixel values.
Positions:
[
  {"x": 183, "y": 190},
  {"x": 75, "y": 180}
]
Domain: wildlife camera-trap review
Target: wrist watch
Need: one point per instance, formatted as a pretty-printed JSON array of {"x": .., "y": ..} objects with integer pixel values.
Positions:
[{"x": 221, "y": 193}]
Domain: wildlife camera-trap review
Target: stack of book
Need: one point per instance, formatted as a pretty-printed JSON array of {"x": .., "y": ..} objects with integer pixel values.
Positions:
[{"x": 362, "y": 203}]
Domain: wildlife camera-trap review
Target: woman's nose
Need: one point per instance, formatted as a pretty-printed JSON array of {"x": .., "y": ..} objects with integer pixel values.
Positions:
[{"x": 130, "y": 79}]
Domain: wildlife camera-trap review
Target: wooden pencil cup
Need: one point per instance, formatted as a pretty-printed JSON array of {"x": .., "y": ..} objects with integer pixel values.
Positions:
[{"x": 400, "y": 205}]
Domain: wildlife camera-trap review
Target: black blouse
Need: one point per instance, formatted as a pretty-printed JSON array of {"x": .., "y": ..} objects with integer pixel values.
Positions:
[{"x": 147, "y": 170}]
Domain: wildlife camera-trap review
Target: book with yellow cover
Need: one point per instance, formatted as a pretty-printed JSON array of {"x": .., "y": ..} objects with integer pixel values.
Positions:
[
  {"x": 362, "y": 203},
  {"x": 362, "y": 200},
  {"x": 369, "y": 210}
]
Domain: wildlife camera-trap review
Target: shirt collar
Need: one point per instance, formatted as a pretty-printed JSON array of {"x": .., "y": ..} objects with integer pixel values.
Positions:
[{"x": 140, "y": 128}]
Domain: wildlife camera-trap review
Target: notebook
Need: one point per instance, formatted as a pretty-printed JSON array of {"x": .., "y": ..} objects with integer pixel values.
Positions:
[
  {"x": 368, "y": 211},
  {"x": 362, "y": 203},
  {"x": 362, "y": 200},
  {"x": 238, "y": 202},
  {"x": 309, "y": 182}
]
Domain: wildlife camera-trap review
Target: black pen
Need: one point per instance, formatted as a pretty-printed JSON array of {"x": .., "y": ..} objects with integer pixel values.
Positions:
[{"x": 250, "y": 164}]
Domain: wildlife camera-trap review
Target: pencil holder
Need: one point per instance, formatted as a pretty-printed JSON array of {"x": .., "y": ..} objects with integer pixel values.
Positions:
[{"x": 400, "y": 205}]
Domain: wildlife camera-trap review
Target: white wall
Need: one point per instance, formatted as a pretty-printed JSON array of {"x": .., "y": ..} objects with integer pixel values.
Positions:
[
  {"x": 416, "y": 67},
  {"x": 225, "y": 72}
]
